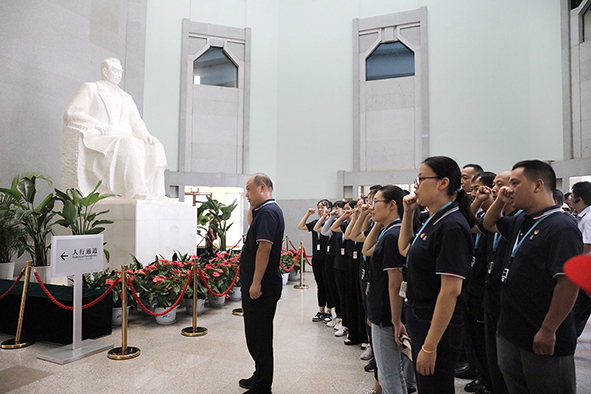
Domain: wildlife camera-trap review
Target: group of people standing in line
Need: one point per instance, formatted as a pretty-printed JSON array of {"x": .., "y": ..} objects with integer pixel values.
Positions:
[{"x": 467, "y": 267}]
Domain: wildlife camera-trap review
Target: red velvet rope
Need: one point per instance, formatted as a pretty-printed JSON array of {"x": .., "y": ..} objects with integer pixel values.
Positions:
[
  {"x": 69, "y": 308},
  {"x": 294, "y": 262},
  {"x": 13, "y": 285},
  {"x": 149, "y": 312},
  {"x": 209, "y": 288},
  {"x": 306, "y": 256}
]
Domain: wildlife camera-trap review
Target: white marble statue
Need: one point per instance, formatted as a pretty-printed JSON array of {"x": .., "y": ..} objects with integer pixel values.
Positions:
[{"x": 106, "y": 139}]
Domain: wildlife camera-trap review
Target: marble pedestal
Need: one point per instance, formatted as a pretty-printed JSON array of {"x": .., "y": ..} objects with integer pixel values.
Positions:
[{"x": 147, "y": 228}]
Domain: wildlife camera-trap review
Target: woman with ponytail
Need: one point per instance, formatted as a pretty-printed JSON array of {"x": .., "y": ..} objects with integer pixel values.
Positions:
[{"x": 438, "y": 260}]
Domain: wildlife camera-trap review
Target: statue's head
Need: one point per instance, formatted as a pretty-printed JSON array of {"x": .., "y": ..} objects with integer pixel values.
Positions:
[{"x": 111, "y": 70}]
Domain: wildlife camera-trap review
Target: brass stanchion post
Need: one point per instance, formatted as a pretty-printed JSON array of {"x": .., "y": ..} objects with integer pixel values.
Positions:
[
  {"x": 194, "y": 331},
  {"x": 124, "y": 352},
  {"x": 301, "y": 286},
  {"x": 16, "y": 342}
]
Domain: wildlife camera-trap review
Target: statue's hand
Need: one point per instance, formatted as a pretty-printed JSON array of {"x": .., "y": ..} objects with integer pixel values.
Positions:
[
  {"x": 104, "y": 129},
  {"x": 151, "y": 140}
]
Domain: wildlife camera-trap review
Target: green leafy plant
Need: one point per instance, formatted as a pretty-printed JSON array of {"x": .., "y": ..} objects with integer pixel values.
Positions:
[
  {"x": 13, "y": 239},
  {"x": 215, "y": 215},
  {"x": 78, "y": 212},
  {"x": 36, "y": 221}
]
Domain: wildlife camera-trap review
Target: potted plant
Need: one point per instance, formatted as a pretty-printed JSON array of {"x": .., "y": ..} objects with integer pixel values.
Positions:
[
  {"x": 219, "y": 278},
  {"x": 290, "y": 265},
  {"x": 104, "y": 280},
  {"x": 216, "y": 215},
  {"x": 78, "y": 212},
  {"x": 36, "y": 221},
  {"x": 12, "y": 237}
]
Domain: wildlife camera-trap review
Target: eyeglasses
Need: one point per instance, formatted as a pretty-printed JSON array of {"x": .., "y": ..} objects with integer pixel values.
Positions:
[
  {"x": 386, "y": 201},
  {"x": 422, "y": 178}
]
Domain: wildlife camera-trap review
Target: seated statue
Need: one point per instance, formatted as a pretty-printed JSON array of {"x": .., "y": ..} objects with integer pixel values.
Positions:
[{"x": 106, "y": 139}]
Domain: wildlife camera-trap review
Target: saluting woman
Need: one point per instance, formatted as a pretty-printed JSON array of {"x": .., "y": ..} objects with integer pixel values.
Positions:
[{"x": 438, "y": 260}]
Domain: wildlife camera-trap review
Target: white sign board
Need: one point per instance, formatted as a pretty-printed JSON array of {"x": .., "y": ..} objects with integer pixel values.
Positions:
[{"x": 76, "y": 254}]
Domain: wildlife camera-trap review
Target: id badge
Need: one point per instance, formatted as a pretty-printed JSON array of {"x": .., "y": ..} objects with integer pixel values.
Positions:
[
  {"x": 342, "y": 251},
  {"x": 355, "y": 254},
  {"x": 402, "y": 292},
  {"x": 318, "y": 247},
  {"x": 491, "y": 265},
  {"x": 473, "y": 261},
  {"x": 505, "y": 275},
  {"x": 367, "y": 289},
  {"x": 328, "y": 249}
]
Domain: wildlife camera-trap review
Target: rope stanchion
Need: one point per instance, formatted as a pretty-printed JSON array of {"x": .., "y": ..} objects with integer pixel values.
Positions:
[
  {"x": 194, "y": 330},
  {"x": 16, "y": 342},
  {"x": 124, "y": 352},
  {"x": 149, "y": 312},
  {"x": 13, "y": 285},
  {"x": 69, "y": 308},
  {"x": 301, "y": 286}
]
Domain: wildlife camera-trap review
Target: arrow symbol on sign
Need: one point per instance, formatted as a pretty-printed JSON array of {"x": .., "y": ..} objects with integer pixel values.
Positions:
[{"x": 64, "y": 255}]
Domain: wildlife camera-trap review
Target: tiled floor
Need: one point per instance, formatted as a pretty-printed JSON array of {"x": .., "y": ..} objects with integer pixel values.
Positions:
[{"x": 308, "y": 357}]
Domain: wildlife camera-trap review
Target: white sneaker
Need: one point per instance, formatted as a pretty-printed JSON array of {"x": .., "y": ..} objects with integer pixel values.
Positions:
[
  {"x": 339, "y": 324},
  {"x": 332, "y": 322},
  {"x": 367, "y": 354},
  {"x": 342, "y": 332}
]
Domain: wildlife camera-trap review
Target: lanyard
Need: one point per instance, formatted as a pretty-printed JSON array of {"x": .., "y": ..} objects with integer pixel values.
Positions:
[
  {"x": 427, "y": 222},
  {"x": 498, "y": 236},
  {"x": 519, "y": 240},
  {"x": 478, "y": 236},
  {"x": 395, "y": 223}
]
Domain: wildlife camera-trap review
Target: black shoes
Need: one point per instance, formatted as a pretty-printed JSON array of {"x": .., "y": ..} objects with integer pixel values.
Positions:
[
  {"x": 474, "y": 386},
  {"x": 371, "y": 365},
  {"x": 463, "y": 371},
  {"x": 246, "y": 383}
]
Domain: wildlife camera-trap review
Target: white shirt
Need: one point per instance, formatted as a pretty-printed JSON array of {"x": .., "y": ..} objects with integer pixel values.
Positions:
[{"x": 585, "y": 224}]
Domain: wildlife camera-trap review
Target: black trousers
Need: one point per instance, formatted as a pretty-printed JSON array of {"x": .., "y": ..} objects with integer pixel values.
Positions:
[
  {"x": 475, "y": 334},
  {"x": 418, "y": 322},
  {"x": 355, "y": 312},
  {"x": 258, "y": 328},
  {"x": 332, "y": 295},
  {"x": 319, "y": 269},
  {"x": 496, "y": 376}
]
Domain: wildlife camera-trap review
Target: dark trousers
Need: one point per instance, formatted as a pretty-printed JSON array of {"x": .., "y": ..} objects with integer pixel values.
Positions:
[
  {"x": 339, "y": 277},
  {"x": 581, "y": 311},
  {"x": 319, "y": 276},
  {"x": 496, "y": 377},
  {"x": 354, "y": 309},
  {"x": 418, "y": 322},
  {"x": 332, "y": 296},
  {"x": 258, "y": 328},
  {"x": 474, "y": 328},
  {"x": 525, "y": 372}
]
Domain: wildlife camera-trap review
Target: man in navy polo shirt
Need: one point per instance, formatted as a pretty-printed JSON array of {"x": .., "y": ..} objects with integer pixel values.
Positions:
[
  {"x": 536, "y": 337},
  {"x": 260, "y": 279}
]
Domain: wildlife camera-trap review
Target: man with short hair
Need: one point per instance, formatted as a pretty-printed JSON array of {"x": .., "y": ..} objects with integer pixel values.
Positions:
[
  {"x": 536, "y": 337},
  {"x": 469, "y": 171},
  {"x": 261, "y": 280},
  {"x": 581, "y": 202}
]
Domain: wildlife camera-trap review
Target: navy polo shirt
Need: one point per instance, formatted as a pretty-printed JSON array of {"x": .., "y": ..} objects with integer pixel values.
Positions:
[
  {"x": 527, "y": 292},
  {"x": 497, "y": 255},
  {"x": 443, "y": 247},
  {"x": 318, "y": 242},
  {"x": 477, "y": 274},
  {"x": 267, "y": 226},
  {"x": 385, "y": 257},
  {"x": 341, "y": 259}
]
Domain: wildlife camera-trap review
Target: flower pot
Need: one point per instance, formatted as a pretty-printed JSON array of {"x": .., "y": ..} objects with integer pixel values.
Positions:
[
  {"x": 44, "y": 273},
  {"x": 285, "y": 278},
  {"x": 117, "y": 316},
  {"x": 235, "y": 293},
  {"x": 7, "y": 270},
  {"x": 189, "y": 306},
  {"x": 294, "y": 275},
  {"x": 168, "y": 318},
  {"x": 215, "y": 301}
]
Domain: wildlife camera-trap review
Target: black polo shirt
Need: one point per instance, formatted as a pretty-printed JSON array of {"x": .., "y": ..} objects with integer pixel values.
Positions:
[
  {"x": 442, "y": 247},
  {"x": 497, "y": 255},
  {"x": 527, "y": 292},
  {"x": 477, "y": 274},
  {"x": 385, "y": 257},
  {"x": 341, "y": 259},
  {"x": 318, "y": 242},
  {"x": 267, "y": 226}
]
